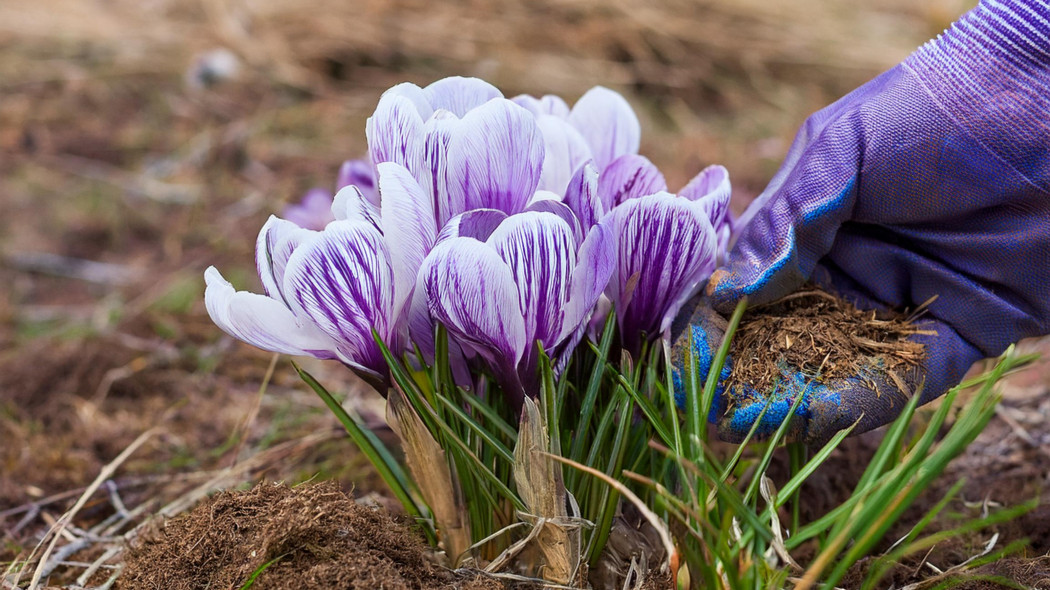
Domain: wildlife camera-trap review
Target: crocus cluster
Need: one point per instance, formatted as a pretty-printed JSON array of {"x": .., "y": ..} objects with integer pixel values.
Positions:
[{"x": 511, "y": 222}]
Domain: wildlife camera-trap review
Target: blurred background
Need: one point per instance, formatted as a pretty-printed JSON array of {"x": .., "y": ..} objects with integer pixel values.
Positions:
[{"x": 143, "y": 140}]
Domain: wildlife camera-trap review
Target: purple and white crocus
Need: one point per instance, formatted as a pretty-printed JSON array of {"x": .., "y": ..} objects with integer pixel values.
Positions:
[
  {"x": 314, "y": 209},
  {"x": 528, "y": 283},
  {"x": 507, "y": 221}
]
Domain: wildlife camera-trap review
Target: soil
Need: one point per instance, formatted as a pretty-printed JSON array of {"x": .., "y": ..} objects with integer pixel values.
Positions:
[
  {"x": 310, "y": 537},
  {"x": 821, "y": 335}
]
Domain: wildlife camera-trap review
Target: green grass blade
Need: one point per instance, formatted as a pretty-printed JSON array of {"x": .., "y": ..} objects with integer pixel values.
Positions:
[
  {"x": 493, "y": 443},
  {"x": 259, "y": 570},
  {"x": 381, "y": 458},
  {"x": 697, "y": 416},
  {"x": 590, "y": 397}
]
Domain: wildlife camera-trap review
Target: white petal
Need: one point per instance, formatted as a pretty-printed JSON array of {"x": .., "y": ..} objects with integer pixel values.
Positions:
[
  {"x": 394, "y": 131},
  {"x": 566, "y": 151},
  {"x": 546, "y": 105},
  {"x": 711, "y": 191},
  {"x": 460, "y": 95},
  {"x": 471, "y": 290},
  {"x": 582, "y": 197},
  {"x": 555, "y": 206},
  {"x": 262, "y": 321},
  {"x": 432, "y": 169},
  {"x": 350, "y": 204},
  {"x": 277, "y": 240},
  {"x": 594, "y": 267},
  {"x": 495, "y": 157},
  {"x": 408, "y": 228},
  {"x": 608, "y": 123},
  {"x": 342, "y": 279}
]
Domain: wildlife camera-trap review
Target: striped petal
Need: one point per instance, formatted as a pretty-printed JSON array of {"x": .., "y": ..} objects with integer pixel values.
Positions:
[
  {"x": 711, "y": 190},
  {"x": 495, "y": 157},
  {"x": 277, "y": 240},
  {"x": 582, "y": 197},
  {"x": 415, "y": 95},
  {"x": 470, "y": 290},
  {"x": 594, "y": 267},
  {"x": 262, "y": 321},
  {"x": 556, "y": 207},
  {"x": 608, "y": 123},
  {"x": 395, "y": 130},
  {"x": 350, "y": 204},
  {"x": 408, "y": 228},
  {"x": 629, "y": 177},
  {"x": 432, "y": 170},
  {"x": 664, "y": 247},
  {"x": 540, "y": 250},
  {"x": 478, "y": 224},
  {"x": 342, "y": 279}
]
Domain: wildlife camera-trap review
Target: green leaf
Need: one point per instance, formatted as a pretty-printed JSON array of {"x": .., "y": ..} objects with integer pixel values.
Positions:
[{"x": 382, "y": 459}]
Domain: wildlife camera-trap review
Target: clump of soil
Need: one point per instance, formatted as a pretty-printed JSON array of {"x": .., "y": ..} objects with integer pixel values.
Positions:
[
  {"x": 315, "y": 536},
  {"x": 822, "y": 335}
]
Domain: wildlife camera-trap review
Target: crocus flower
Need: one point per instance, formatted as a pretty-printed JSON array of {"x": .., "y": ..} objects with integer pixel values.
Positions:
[
  {"x": 314, "y": 210},
  {"x": 527, "y": 281},
  {"x": 325, "y": 293},
  {"x": 666, "y": 245},
  {"x": 466, "y": 146}
]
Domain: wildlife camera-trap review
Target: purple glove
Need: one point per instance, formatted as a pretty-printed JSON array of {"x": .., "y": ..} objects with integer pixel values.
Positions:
[{"x": 931, "y": 179}]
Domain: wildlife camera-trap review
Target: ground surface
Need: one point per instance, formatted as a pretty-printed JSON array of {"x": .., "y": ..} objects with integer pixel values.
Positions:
[{"x": 111, "y": 152}]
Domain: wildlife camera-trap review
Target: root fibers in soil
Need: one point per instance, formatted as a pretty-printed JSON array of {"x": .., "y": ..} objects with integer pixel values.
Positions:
[
  {"x": 316, "y": 536},
  {"x": 818, "y": 334}
]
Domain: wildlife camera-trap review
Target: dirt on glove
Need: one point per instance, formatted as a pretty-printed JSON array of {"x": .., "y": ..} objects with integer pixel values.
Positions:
[{"x": 822, "y": 335}]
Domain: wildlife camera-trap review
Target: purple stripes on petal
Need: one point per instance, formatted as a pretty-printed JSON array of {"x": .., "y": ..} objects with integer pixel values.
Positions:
[
  {"x": 262, "y": 321},
  {"x": 470, "y": 290},
  {"x": 460, "y": 95},
  {"x": 414, "y": 94},
  {"x": 594, "y": 266},
  {"x": 342, "y": 280},
  {"x": 540, "y": 249},
  {"x": 608, "y": 123},
  {"x": 408, "y": 228},
  {"x": 277, "y": 240},
  {"x": 556, "y": 207},
  {"x": 582, "y": 196},
  {"x": 711, "y": 189},
  {"x": 629, "y": 177},
  {"x": 495, "y": 157},
  {"x": 361, "y": 174},
  {"x": 432, "y": 170},
  {"x": 395, "y": 130},
  {"x": 665, "y": 247},
  {"x": 478, "y": 224},
  {"x": 350, "y": 204}
]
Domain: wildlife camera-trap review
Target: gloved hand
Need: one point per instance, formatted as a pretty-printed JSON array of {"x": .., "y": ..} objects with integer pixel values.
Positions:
[{"x": 931, "y": 179}]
